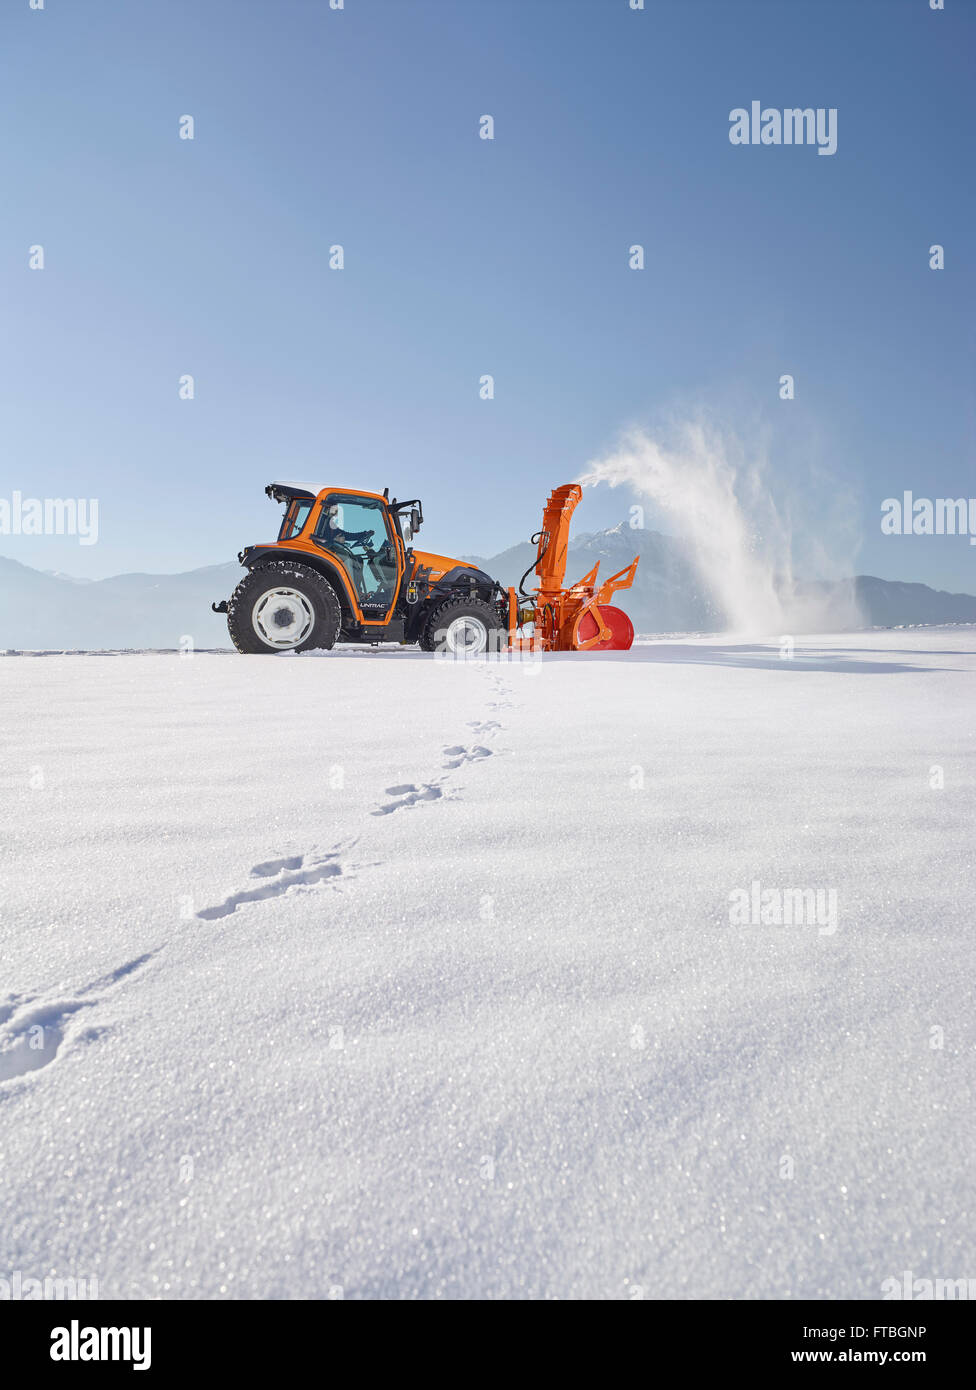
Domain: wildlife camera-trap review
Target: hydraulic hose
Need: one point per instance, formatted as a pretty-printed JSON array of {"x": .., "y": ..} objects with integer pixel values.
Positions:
[{"x": 534, "y": 540}]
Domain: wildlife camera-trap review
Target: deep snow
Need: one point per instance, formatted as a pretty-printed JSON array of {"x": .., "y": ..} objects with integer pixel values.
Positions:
[{"x": 369, "y": 973}]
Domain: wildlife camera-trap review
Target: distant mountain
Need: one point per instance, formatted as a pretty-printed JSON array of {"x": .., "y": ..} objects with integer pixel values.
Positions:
[
  {"x": 42, "y": 611},
  {"x": 45, "y": 611},
  {"x": 71, "y": 578},
  {"x": 890, "y": 603}
]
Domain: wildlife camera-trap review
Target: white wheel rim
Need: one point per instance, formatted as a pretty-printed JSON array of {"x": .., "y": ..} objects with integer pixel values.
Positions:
[
  {"x": 465, "y": 637},
  {"x": 282, "y": 618}
]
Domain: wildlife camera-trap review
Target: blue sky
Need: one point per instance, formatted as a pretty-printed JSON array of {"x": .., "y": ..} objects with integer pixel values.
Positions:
[{"x": 464, "y": 256}]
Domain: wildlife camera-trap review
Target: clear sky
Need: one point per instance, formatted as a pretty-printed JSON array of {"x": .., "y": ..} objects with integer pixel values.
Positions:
[{"x": 466, "y": 256}]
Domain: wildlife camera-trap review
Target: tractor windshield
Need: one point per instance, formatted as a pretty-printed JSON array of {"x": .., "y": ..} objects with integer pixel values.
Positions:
[{"x": 296, "y": 515}]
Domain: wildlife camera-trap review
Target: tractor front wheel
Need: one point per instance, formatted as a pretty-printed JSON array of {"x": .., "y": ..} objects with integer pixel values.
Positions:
[
  {"x": 461, "y": 627},
  {"x": 283, "y": 607}
]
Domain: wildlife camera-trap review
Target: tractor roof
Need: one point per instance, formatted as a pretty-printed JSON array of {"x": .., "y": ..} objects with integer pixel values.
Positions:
[
  {"x": 284, "y": 492},
  {"x": 308, "y": 492}
]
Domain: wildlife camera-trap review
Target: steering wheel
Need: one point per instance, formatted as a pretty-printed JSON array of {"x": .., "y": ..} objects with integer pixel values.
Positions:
[{"x": 353, "y": 538}]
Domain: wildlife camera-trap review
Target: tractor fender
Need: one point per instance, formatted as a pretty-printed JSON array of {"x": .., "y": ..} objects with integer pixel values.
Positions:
[
  {"x": 261, "y": 555},
  {"x": 465, "y": 578}
]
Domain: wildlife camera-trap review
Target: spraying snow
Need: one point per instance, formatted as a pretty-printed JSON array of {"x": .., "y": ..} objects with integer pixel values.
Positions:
[{"x": 741, "y": 542}]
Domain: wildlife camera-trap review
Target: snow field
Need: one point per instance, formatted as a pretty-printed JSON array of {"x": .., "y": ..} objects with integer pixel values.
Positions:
[{"x": 367, "y": 973}]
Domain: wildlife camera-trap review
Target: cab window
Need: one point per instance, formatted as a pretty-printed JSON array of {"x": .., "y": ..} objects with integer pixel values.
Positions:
[{"x": 296, "y": 515}]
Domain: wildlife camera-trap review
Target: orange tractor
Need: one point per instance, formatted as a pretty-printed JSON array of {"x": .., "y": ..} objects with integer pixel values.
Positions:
[{"x": 344, "y": 567}]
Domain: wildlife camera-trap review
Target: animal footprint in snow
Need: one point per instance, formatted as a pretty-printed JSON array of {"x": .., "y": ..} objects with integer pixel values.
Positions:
[
  {"x": 281, "y": 874},
  {"x": 33, "y": 1035},
  {"x": 486, "y": 728},
  {"x": 505, "y": 695},
  {"x": 31, "y": 1032},
  {"x": 408, "y": 795},
  {"x": 458, "y": 755}
]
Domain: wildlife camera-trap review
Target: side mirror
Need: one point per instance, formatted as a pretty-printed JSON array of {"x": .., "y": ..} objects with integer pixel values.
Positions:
[{"x": 415, "y": 520}]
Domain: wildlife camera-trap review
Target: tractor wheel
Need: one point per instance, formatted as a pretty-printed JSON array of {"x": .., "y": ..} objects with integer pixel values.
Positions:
[
  {"x": 461, "y": 627},
  {"x": 283, "y": 607}
]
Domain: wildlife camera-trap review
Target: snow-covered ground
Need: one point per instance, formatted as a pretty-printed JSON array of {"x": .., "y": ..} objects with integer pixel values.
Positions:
[{"x": 369, "y": 972}]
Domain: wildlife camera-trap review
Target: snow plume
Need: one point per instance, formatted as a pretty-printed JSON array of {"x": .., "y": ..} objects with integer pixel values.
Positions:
[{"x": 739, "y": 538}]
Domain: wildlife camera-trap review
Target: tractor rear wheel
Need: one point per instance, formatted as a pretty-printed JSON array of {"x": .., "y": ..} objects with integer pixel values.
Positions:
[
  {"x": 283, "y": 607},
  {"x": 461, "y": 627}
]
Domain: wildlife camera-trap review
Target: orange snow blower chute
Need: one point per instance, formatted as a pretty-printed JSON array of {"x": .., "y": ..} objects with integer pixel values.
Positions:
[{"x": 579, "y": 618}]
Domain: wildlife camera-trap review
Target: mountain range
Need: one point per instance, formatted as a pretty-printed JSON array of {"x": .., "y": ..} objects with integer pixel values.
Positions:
[{"x": 52, "y": 611}]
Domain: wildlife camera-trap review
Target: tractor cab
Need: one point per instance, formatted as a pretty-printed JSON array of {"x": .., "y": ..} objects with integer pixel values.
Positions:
[
  {"x": 368, "y": 534},
  {"x": 360, "y": 538}
]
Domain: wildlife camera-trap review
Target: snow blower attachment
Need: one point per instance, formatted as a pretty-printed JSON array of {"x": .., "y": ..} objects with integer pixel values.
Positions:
[
  {"x": 344, "y": 568},
  {"x": 580, "y": 618}
]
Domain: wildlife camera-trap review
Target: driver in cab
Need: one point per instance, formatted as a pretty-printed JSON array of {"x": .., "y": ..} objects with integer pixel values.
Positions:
[
  {"x": 376, "y": 580},
  {"x": 335, "y": 532}
]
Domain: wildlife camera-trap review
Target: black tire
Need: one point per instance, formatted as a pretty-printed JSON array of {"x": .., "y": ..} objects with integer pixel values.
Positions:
[
  {"x": 307, "y": 617},
  {"x": 433, "y": 636}
]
